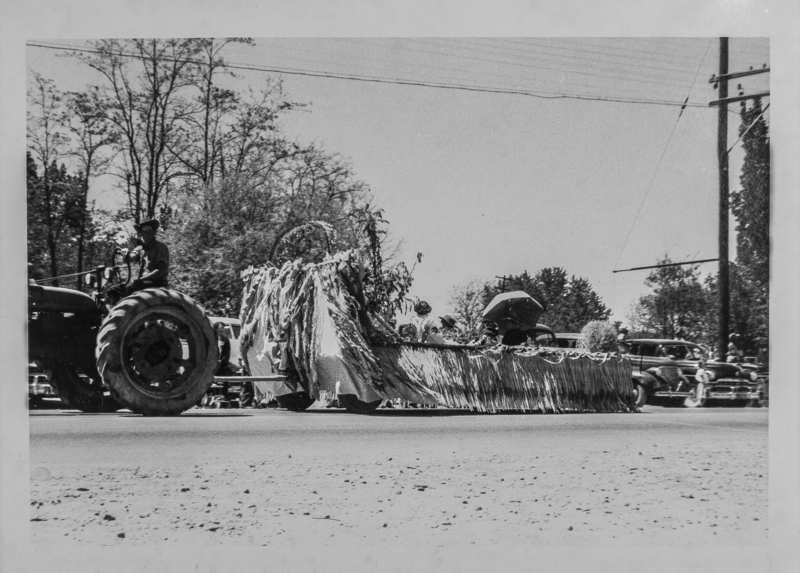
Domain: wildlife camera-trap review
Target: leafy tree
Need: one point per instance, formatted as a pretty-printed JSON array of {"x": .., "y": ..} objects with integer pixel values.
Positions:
[
  {"x": 676, "y": 307},
  {"x": 750, "y": 204},
  {"x": 749, "y": 310},
  {"x": 386, "y": 284},
  {"x": 569, "y": 302},
  {"x": 58, "y": 219},
  {"x": 749, "y": 277},
  {"x": 237, "y": 222}
]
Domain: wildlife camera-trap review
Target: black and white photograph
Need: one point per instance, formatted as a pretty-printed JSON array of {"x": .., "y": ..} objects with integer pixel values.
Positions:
[{"x": 365, "y": 291}]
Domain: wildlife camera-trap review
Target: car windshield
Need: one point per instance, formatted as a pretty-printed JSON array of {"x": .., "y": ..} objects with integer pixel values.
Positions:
[
  {"x": 675, "y": 352},
  {"x": 694, "y": 353},
  {"x": 643, "y": 350}
]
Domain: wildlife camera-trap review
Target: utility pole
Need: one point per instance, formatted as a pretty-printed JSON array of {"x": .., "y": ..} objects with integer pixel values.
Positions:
[{"x": 722, "y": 159}]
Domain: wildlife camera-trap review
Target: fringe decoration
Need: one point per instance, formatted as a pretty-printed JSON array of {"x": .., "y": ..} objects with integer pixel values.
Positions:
[{"x": 284, "y": 305}]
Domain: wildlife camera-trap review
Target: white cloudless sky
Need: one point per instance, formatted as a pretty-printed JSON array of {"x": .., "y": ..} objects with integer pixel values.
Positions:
[{"x": 487, "y": 184}]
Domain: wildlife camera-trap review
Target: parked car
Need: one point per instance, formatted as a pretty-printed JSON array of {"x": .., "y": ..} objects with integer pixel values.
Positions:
[
  {"x": 225, "y": 394},
  {"x": 231, "y": 331},
  {"x": 566, "y": 340},
  {"x": 39, "y": 389},
  {"x": 666, "y": 369}
]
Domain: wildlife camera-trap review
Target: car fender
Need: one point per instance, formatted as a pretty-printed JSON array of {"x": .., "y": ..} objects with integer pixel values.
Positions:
[{"x": 647, "y": 379}]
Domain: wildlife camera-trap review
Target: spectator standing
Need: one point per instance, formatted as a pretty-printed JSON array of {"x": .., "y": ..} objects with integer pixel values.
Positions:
[
  {"x": 622, "y": 341},
  {"x": 734, "y": 353}
]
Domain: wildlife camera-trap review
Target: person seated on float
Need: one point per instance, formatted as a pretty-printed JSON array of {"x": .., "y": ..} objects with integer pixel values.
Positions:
[
  {"x": 446, "y": 333},
  {"x": 423, "y": 321},
  {"x": 408, "y": 332}
]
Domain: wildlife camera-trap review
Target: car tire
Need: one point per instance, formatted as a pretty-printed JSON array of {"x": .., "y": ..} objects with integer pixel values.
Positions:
[
  {"x": 297, "y": 402},
  {"x": 157, "y": 352},
  {"x": 355, "y": 406},
  {"x": 641, "y": 395},
  {"x": 697, "y": 398}
]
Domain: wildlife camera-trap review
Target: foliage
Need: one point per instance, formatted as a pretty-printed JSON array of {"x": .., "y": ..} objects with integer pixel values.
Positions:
[
  {"x": 58, "y": 219},
  {"x": 175, "y": 126},
  {"x": 749, "y": 310},
  {"x": 569, "y": 302},
  {"x": 750, "y": 204},
  {"x": 676, "y": 307},
  {"x": 598, "y": 336},
  {"x": 386, "y": 285},
  {"x": 466, "y": 306},
  {"x": 85, "y": 120},
  {"x": 749, "y": 277},
  {"x": 236, "y": 223}
]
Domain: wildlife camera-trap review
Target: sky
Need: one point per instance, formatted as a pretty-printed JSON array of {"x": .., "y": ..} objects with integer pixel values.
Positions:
[{"x": 505, "y": 174}]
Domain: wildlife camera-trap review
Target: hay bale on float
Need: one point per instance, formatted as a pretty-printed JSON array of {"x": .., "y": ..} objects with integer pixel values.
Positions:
[{"x": 318, "y": 317}]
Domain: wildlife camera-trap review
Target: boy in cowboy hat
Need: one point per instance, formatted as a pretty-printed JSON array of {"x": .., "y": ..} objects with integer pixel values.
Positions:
[{"x": 156, "y": 256}]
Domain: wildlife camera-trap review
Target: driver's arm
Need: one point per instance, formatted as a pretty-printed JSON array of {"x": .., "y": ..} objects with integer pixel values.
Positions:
[
  {"x": 158, "y": 272},
  {"x": 161, "y": 265}
]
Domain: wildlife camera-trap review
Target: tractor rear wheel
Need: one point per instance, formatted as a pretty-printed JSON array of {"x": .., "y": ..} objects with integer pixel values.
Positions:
[
  {"x": 157, "y": 352},
  {"x": 352, "y": 404},
  {"x": 81, "y": 393}
]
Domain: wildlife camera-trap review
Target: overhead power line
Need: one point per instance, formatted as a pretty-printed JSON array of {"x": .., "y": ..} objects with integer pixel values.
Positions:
[
  {"x": 398, "y": 81},
  {"x": 749, "y": 127},
  {"x": 697, "y": 262},
  {"x": 660, "y": 159},
  {"x": 346, "y": 59}
]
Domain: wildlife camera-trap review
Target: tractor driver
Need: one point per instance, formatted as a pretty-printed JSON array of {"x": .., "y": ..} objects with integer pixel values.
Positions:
[{"x": 156, "y": 257}]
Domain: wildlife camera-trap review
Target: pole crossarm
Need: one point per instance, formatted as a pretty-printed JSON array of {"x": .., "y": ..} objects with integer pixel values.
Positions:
[
  {"x": 715, "y": 79},
  {"x": 666, "y": 265},
  {"x": 727, "y": 100}
]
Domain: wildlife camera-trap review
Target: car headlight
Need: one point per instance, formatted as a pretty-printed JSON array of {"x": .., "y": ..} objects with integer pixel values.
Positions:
[
  {"x": 753, "y": 376},
  {"x": 711, "y": 375}
]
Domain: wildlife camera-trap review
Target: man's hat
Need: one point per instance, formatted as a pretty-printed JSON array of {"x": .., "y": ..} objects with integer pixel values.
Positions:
[
  {"x": 149, "y": 223},
  {"x": 448, "y": 321}
]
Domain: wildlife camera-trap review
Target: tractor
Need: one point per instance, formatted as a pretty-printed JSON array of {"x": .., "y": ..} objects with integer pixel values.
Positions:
[{"x": 153, "y": 352}]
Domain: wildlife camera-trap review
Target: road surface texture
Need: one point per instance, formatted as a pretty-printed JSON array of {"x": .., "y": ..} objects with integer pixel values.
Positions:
[{"x": 666, "y": 476}]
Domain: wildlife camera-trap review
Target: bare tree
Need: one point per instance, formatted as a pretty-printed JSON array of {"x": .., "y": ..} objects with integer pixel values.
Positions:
[
  {"x": 466, "y": 305},
  {"x": 87, "y": 120},
  {"x": 143, "y": 93},
  {"x": 47, "y": 144}
]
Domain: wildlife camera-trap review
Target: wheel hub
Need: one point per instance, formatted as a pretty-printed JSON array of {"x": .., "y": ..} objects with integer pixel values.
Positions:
[{"x": 157, "y": 351}]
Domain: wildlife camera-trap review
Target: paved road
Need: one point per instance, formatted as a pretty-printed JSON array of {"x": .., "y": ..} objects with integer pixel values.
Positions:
[{"x": 269, "y": 477}]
